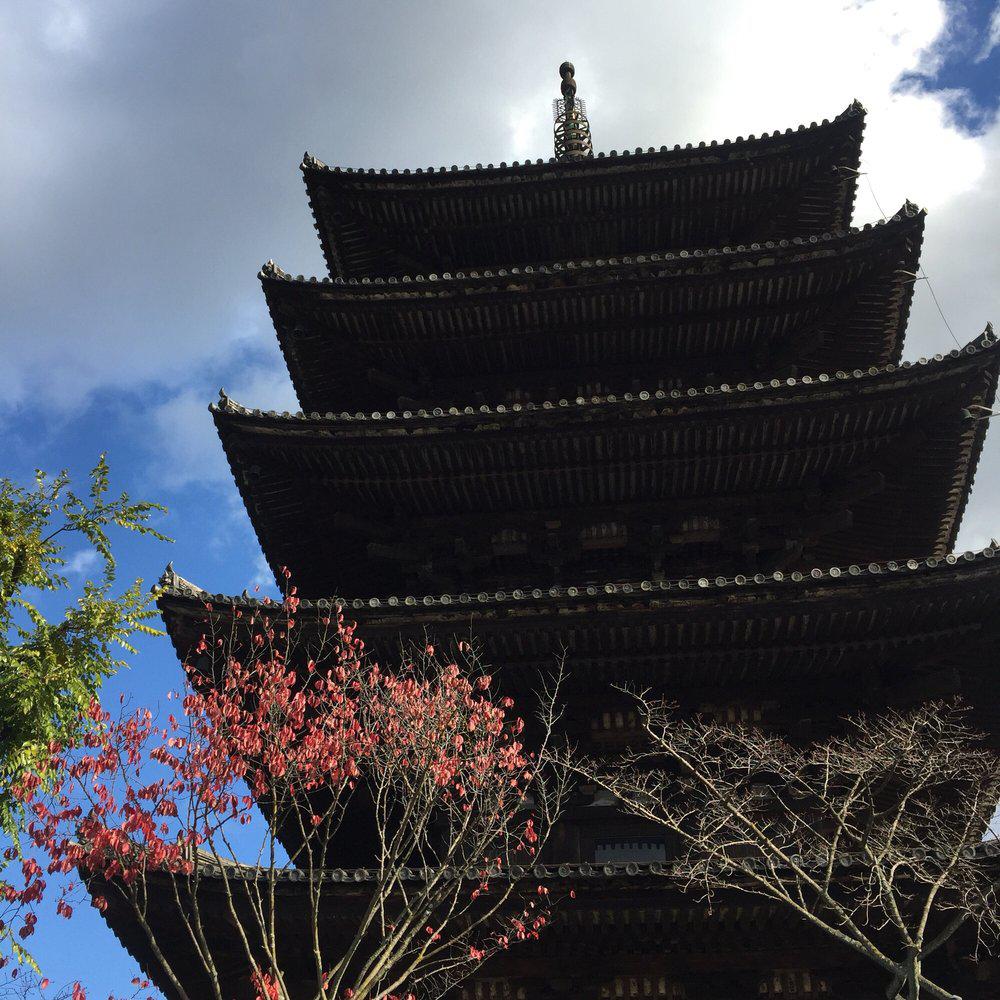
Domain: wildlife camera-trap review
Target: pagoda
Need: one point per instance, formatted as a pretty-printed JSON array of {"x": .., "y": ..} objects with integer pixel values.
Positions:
[{"x": 646, "y": 410}]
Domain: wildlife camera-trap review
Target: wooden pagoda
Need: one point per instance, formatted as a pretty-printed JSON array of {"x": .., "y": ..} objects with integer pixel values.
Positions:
[{"x": 648, "y": 408}]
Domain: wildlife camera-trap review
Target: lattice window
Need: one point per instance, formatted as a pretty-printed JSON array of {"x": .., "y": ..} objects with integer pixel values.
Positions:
[
  {"x": 793, "y": 983},
  {"x": 700, "y": 524},
  {"x": 607, "y": 535},
  {"x": 640, "y": 851},
  {"x": 493, "y": 989},
  {"x": 746, "y": 713},
  {"x": 643, "y": 986},
  {"x": 508, "y": 541},
  {"x": 620, "y": 721}
]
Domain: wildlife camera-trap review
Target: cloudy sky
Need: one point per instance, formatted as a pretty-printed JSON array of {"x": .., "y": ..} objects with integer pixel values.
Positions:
[{"x": 149, "y": 166}]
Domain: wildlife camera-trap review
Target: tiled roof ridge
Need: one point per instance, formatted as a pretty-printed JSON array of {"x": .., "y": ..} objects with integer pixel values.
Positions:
[
  {"x": 854, "y": 110},
  {"x": 985, "y": 342},
  {"x": 174, "y": 585},
  {"x": 908, "y": 211},
  {"x": 209, "y": 865}
]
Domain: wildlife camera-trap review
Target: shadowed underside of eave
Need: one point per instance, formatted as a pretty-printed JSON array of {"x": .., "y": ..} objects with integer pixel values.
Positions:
[
  {"x": 857, "y": 468},
  {"x": 625, "y": 919},
  {"x": 796, "y": 183},
  {"x": 886, "y": 623},
  {"x": 662, "y": 321}
]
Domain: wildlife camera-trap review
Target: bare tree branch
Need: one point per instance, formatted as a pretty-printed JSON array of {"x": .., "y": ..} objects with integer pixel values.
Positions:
[{"x": 874, "y": 837}]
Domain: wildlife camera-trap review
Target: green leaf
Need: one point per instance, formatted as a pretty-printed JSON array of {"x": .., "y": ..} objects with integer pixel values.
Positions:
[{"x": 50, "y": 670}]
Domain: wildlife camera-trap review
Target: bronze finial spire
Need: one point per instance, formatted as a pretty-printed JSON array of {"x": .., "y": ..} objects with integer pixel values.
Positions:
[
  {"x": 572, "y": 129},
  {"x": 566, "y": 71}
]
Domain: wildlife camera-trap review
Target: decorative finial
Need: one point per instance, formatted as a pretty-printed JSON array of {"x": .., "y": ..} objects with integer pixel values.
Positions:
[
  {"x": 566, "y": 71},
  {"x": 172, "y": 582},
  {"x": 167, "y": 579},
  {"x": 572, "y": 129},
  {"x": 310, "y": 162}
]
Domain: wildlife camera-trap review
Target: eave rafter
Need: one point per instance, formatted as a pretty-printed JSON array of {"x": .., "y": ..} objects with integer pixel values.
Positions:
[
  {"x": 791, "y": 183},
  {"x": 724, "y": 631},
  {"x": 685, "y": 451},
  {"x": 666, "y": 320},
  {"x": 620, "y": 908}
]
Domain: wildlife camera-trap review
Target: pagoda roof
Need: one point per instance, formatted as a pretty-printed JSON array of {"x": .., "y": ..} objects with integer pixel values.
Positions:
[
  {"x": 780, "y": 185},
  {"x": 893, "y": 440},
  {"x": 682, "y": 635},
  {"x": 803, "y": 304},
  {"x": 628, "y": 914}
]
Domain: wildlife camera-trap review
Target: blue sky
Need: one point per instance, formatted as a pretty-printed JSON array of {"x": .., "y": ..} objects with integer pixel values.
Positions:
[{"x": 150, "y": 165}]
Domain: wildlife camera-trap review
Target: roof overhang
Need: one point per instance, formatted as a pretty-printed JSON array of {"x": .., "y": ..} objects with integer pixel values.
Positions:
[
  {"x": 784, "y": 184},
  {"x": 669, "y": 319},
  {"x": 884, "y": 458},
  {"x": 617, "y": 907},
  {"x": 702, "y": 638}
]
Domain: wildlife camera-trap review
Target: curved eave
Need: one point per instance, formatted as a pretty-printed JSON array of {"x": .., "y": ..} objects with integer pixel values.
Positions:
[
  {"x": 806, "y": 304},
  {"x": 718, "y": 594},
  {"x": 295, "y": 473},
  {"x": 702, "y": 632},
  {"x": 978, "y": 354},
  {"x": 745, "y": 933},
  {"x": 727, "y": 446},
  {"x": 782, "y": 184}
]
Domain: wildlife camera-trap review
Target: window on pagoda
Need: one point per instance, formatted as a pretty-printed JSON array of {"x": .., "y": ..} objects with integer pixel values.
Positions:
[
  {"x": 622, "y": 720},
  {"x": 696, "y": 529},
  {"x": 642, "y": 986},
  {"x": 606, "y": 535},
  {"x": 510, "y": 542},
  {"x": 643, "y": 852},
  {"x": 737, "y": 713},
  {"x": 793, "y": 983},
  {"x": 614, "y": 728},
  {"x": 493, "y": 989}
]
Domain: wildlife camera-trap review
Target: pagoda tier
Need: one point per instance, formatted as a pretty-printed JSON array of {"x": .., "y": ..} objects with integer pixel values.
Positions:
[
  {"x": 807, "y": 304},
  {"x": 778, "y": 186},
  {"x": 797, "y": 651},
  {"x": 628, "y": 932},
  {"x": 853, "y": 467}
]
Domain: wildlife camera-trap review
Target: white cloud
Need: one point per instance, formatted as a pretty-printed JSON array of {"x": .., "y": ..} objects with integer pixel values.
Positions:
[
  {"x": 186, "y": 449},
  {"x": 81, "y": 563},
  {"x": 992, "y": 39},
  {"x": 525, "y": 122},
  {"x": 67, "y": 27},
  {"x": 263, "y": 578},
  {"x": 184, "y": 444}
]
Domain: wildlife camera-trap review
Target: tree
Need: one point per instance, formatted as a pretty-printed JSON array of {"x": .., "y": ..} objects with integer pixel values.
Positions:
[
  {"x": 872, "y": 836},
  {"x": 49, "y": 670},
  {"x": 36, "y": 987},
  {"x": 426, "y": 758}
]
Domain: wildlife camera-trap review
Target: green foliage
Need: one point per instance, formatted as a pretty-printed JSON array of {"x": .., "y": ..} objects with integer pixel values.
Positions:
[{"x": 49, "y": 670}]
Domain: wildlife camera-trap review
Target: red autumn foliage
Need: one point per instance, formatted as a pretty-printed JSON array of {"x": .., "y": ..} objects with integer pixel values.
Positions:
[{"x": 147, "y": 812}]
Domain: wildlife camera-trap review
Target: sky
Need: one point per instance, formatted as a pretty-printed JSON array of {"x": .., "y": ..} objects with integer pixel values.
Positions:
[{"x": 149, "y": 157}]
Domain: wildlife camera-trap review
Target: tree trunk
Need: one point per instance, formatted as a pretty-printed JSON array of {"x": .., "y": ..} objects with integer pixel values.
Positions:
[{"x": 913, "y": 971}]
